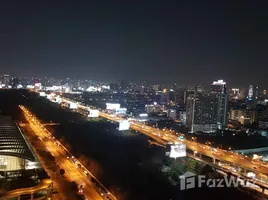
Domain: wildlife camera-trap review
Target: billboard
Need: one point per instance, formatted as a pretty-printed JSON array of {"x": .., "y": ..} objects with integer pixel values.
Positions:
[
  {"x": 42, "y": 94},
  {"x": 30, "y": 87},
  {"x": 58, "y": 100},
  {"x": 112, "y": 106},
  {"x": 37, "y": 86},
  {"x": 124, "y": 125},
  {"x": 73, "y": 105},
  {"x": 93, "y": 113},
  {"x": 121, "y": 111},
  {"x": 177, "y": 150},
  {"x": 143, "y": 115},
  {"x": 49, "y": 96}
]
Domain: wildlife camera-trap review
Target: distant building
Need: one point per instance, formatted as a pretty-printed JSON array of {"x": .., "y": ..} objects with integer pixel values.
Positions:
[
  {"x": 199, "y": 88},
  {"x": 262, "y": 115},
  {"x": 5, "y": 81},
  {"x": 207, "y": 111},
  {"x": 172, "y": 113},
  {"x": 263, "y": 125},
  {"x": 181, "y": 97},
  {"x": 252, "y": 97},
  {"x": 153, "y": 108},
  {"x": 182, "y": 117},
  {"x": 172, "y": 96},
  {"x": 240, "y": 115},
  {"x": 219, "y": 92},
  {"x": 190, "y": 107},
  {"x": 142, "y": 89}
]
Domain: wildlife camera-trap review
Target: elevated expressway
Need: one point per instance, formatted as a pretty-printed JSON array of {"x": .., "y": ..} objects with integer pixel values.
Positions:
[
  {"x": 45, "y": 184},
  {"x": 165, "y": 136}
]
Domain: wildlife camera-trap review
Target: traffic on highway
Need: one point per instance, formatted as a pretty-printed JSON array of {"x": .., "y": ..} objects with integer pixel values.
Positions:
[
  {"x": 164, "y": 136},
  {"x": 88, "y": 186}
]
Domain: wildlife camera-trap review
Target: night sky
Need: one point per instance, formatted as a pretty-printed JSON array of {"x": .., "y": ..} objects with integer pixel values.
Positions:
[{"x": 158, "y": 41}]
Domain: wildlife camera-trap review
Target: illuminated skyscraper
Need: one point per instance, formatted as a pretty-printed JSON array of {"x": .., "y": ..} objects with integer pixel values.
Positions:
[
  {"x": 252, "y": 97},
  {"x": 207, "y": 111},
  {"x": 220, "y": 93}
]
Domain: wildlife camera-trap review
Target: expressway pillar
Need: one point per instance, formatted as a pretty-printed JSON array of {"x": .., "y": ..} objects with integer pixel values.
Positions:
[
  {"x": 214, "y": 160},
  {"x": 18, "y": 197},
  {"x": 245, "y": 172},
  {"x": 263, "y": 190},
  {"x": 49, "y": 192},
  {"x": 32, "y": 196}
]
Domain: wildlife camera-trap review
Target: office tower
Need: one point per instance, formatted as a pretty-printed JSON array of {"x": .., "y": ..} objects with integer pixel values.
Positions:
[
  {"x": 172, "y": 96},
  {"x": 190, "y": 107},
  {"x": 262, "y": 117},
  {"x": 6, "y": 80},
  {"x": 181, "y": 97},
  {"x": 252, "y": 97},
  {"x": 199, "y": 88},
  {"x": 207, "y": 111},
  {"x": 172, "y": 113},
  {"x": 220, "y": 93},
  {"x": 251, "y": 104}
]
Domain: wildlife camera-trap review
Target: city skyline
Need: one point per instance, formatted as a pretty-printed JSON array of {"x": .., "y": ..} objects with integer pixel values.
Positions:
[
  {"x": 178, "y": 42},
  {"x": 45, "y": 81},
  {"x": 127, "y": 100}
]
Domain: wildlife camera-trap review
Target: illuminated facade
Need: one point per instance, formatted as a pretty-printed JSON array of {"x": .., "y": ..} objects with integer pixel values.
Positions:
[
  {"x": 207, "y": 111},
  {"x": 219, "y": 92},
  {"x": 15, "y": 154},
  {"x": 252, "y": 97}
]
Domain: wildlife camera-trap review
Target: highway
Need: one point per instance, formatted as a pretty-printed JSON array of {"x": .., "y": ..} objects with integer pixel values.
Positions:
[
  {"x": 44, "y": 184},
  {"x": 74, "y": 171},
  {"x": 167, "y": 136}
]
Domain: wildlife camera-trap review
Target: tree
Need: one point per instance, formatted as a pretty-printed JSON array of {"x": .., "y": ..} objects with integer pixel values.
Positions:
[
  {"x": 191, "y": 164},
  {"x": 62, "y": 172},
  {"x": 198, "y": 167},
  {"x": 207, "y": 170},
  {"x": 177, "y": 167}
]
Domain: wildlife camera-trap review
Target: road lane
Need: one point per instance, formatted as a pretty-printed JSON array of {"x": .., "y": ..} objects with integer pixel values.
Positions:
[{"x": 72, "y": 173}]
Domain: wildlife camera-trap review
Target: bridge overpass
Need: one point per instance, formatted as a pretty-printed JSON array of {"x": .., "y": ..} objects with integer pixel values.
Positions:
[
  {"x": 45, "y": 184},
  {"x": 256, "y": 150}
]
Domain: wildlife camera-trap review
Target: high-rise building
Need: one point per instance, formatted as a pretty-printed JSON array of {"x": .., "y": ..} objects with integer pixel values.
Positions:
[
  {"x": 172, "y": 96},
  {"x": 172, "y": 113},
  {"x": 241, "y": 115},
  {"x": 251, "y": 104},
  {"x": 220, "y": 92},
  {"x": 142, "y": 89},
  {"x": 207, "y": 111},
  {"x": 6, "y": 80},
  {"x": 252, "y": 97}
]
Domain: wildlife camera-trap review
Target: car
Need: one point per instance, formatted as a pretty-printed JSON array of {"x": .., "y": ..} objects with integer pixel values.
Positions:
[{"x": 85, "y": 172}]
